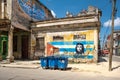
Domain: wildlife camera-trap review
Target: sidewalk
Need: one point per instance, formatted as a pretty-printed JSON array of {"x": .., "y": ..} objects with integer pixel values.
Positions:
[
  {"x": 100, "y": 68},
  {"x": 22, "y": 64}
]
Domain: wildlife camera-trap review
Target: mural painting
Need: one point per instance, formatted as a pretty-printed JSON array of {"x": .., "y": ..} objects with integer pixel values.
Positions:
[
  {"x": 77, "y": 44},
  {"x": 33, "y": 9},
  {"x": 79, "y": 48},
  {"x": 25, "y": 11}
]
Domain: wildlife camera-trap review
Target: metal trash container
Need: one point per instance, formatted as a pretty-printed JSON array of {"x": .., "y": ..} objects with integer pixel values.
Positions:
[
  {"x": 62, "y": 63},
  {"x": 44, "y": 62},
  {"x": 52, "y": 63}
]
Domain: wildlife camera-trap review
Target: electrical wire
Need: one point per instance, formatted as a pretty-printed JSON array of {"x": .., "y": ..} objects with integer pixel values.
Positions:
[
  {"x": 107, "y": 30},
  {"x": 102, "y": 28}
]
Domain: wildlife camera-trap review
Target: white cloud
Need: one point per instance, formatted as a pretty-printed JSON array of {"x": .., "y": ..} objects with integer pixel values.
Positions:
[
  {"x": 53, "y": 13},
  {"x": 116, "y": 22},
  {"x": 107, "y": 23}
]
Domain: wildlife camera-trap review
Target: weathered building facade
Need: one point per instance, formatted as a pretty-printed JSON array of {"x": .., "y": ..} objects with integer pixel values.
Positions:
[
  {"x": 116, "y": 50},
  {"x": 116, "y": 41},
  {"x": 70, "y": 36},
  {"x": 15, "y": 27}
]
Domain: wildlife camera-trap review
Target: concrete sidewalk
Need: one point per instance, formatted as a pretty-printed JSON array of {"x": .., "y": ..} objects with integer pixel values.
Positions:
[
  {"x": 22, "y": 64},
  {"x": 101, "y": 67}
]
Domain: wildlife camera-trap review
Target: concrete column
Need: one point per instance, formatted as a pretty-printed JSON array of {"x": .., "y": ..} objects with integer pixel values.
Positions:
[
  {"x": 96, "y": 45},
  {"x": 2, "y": 9},
  {"x": 46, "y": 36},
  {"x": 9, "y": 8},
  {"x": 33, "y": 45},
  {"x": 31, "y": 52},
  {"x": 10, "y": 57}
]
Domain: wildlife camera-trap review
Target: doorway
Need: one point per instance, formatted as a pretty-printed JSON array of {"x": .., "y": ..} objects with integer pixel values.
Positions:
[
  {"x": 40, "y": 47},
  {"x": 4, "y": 49},
  {"x": 25, "y": 47},
  {"x": 3, "y": 46}
]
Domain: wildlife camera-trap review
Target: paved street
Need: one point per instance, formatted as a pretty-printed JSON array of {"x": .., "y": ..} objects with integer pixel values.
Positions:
[
  {"x": 40, "y": 74},
  {"x": 31, "y": 70},
  {"x": 116, "y": 58}
]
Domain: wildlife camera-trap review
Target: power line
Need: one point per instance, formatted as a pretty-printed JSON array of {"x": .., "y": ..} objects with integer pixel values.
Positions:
[
  {"x": 106, "y": 5},
  {"x": 106, "y": 32},
  {"x": 107, "y": 29}
]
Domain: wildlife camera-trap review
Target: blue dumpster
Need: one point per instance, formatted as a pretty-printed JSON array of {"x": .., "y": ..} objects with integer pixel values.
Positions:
[
  {"x": 53, "y": 62},
  {"x": 44, "y": 62},
  {"x": 62, "y": 63}
]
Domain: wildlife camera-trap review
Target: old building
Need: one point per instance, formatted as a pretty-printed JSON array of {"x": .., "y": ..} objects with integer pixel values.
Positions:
[
  {"x": 72, "y": 36},
  {"x": 15, "y": 27},
  {"x": 116, "y": 50},
  {"x": 116, "y": 43}
]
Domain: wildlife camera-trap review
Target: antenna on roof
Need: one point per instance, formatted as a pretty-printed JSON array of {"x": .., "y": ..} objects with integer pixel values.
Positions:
[{"x": 68, "y": 14}]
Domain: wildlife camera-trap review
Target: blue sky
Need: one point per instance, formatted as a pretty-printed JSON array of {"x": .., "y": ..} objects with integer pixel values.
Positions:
[{"x": 75, "y": 6}]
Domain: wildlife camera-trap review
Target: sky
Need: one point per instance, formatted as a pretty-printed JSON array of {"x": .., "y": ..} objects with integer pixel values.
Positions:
[{"x": 60, "y": 7}]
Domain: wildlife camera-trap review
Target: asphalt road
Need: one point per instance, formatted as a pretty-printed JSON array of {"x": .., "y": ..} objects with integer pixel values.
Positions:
[
  {"x": 41, "y": 74},
  {"x": 116, "y": 58}
]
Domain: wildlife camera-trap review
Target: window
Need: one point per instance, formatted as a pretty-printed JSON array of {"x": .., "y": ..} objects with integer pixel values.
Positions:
[
  {"x": 80, "y": 37},
  {"x": 40, "y": 44},
  {"x": 58, "y": 38}
]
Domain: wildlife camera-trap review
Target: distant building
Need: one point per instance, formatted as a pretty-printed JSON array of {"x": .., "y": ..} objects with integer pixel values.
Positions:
[
  {"x": 15, "y": 27},
  {"x": 72, "y": 36},
  {"x": 116, "y": 45}
]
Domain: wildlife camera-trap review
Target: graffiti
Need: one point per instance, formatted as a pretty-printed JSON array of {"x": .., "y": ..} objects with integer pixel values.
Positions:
[{"x": 79, "y": 48}]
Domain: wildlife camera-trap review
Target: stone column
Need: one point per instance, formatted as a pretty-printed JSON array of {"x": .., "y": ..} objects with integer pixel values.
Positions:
[
  {"x": 2, "y": 9},
  {"x": 96, "y": 45},
  {"x": 30, "y": 47},
  {"x": 10, "y": 57}
]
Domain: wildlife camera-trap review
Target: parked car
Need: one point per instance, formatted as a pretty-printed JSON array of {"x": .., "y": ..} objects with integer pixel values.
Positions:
[{"x": 105, "y": 52}]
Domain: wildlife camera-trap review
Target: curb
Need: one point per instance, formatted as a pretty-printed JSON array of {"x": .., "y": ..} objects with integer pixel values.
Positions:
[{"x": 20, "y": 66}]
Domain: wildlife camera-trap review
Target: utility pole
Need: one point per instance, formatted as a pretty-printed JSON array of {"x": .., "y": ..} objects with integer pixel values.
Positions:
[{"x": 112, "y": 30}]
